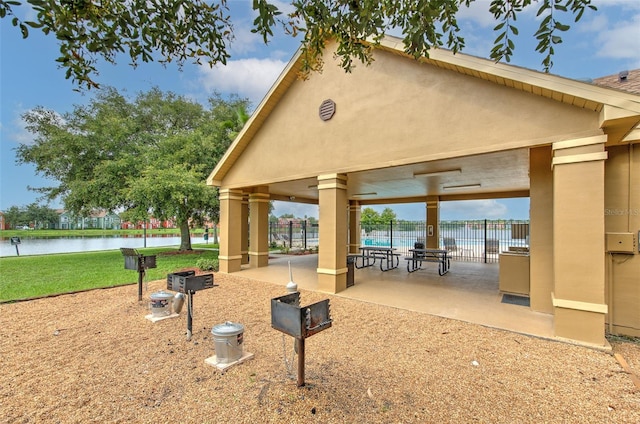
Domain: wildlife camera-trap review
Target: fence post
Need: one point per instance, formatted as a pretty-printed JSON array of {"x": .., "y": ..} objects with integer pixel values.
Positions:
[
  {"x": 304, "y": 231},
  {"x": 291, "y": 234},
  {"x": 485, "y": 241},
  {"x": 391, "y": 233}
]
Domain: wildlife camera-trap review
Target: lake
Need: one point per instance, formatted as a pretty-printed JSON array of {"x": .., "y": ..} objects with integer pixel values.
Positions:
[{"x": 48, "y": 245}]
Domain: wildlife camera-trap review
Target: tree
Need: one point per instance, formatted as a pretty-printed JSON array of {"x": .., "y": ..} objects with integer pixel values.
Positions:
[
  {"x": 369, "y": 218},
  {"x": 38, "y": 215},
  {"x": 198, "y": 30},
  {"x": 387, "y": 216},
  {"x": 147, "y": 156},
  {"x": 41, "y": 216},
  {"x": 14, "y": 216}
]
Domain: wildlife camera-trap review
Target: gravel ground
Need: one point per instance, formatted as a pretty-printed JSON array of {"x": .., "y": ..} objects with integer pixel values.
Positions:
[{"x": 93, "y": 357}]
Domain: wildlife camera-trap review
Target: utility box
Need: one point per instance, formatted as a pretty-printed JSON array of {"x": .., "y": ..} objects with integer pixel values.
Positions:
[{"x": 621, "y": 243}]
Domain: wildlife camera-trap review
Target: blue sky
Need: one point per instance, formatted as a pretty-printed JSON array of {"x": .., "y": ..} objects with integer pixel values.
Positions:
[{"x": 602, "y": 43}]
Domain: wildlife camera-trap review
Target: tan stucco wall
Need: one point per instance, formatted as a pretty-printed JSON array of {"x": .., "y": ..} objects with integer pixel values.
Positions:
[
  {"x": 409, "y": 111},
  {"x": 259, "y": 227},
  {"x": 578, "y": 242},
  {"x": 231, "y": 242},
  {"x": 622, "y": 215},
  {"x": 541, "y": 234},
  {"x": 333, "y": 233}
]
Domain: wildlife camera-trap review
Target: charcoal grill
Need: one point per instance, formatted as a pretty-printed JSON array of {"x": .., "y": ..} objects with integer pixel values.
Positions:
[
  {"x": 189, "y": 283},
  {"x": 137, "y": 262},
  {"x": 300, "y": 322}
]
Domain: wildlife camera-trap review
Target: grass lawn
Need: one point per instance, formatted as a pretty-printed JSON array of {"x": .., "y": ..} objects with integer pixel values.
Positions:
[{"x": 25, "y": 277}]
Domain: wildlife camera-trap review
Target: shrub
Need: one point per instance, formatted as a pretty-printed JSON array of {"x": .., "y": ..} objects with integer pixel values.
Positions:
[{"x": 205, "y": 264}]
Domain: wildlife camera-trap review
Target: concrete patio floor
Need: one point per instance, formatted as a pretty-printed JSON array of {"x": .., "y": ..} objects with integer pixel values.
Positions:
[{"x": 469, "y": 292}]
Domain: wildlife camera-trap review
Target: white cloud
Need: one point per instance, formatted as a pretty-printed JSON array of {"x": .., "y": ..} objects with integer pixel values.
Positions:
[
  {"x": 473, "y": 209},
  {"x": 478, "y": 12},
  {"x": 244, "y": 41},
  {"x": 627, "y": 4},
  {"x": 19, "y": 134},
  {"x": 622, "y": 41},
  {"x": 251, "y": 78},
  {"x": 299, "y": 210}
]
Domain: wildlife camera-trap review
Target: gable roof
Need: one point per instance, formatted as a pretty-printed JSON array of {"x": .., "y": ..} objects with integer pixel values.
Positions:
[{"x": 617, "y": 108}]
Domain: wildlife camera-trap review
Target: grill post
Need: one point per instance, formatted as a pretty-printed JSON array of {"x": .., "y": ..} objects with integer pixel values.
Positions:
[
  {"x": 137, "y": 262},
  {"x": 140, "y": 276},
  {"x": 188, "y": 283},
  {"x": 189, "y": 314},
  {"x": 300, "y": 322},
  {"x": 300, "y": 348}
]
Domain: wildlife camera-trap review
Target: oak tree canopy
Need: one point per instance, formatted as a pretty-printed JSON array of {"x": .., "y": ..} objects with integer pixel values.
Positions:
[{"x": 202, "y": 31}]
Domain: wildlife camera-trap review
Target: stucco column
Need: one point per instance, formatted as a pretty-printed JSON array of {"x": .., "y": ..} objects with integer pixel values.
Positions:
[
  {"x": 433, "y": 222},
  {"x": 230, "y": 257},
  {"x": 541, "y": 234},
  {"x": 354, "y": 226},
  {"x": 245, "y": 230},
  {"x": 578, "y": 239},
  {"x": 332, "y": 257},
  {"x": 259, "y": 227}
]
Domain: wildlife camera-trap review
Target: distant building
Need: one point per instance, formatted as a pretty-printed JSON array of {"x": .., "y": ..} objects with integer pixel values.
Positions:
[
  {"x": 151, "y": 223},
  {"x": 98, "y": 219}
]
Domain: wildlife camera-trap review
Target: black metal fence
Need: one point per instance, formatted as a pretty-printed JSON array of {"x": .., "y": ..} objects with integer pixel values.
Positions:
[
  {"x": 295, "y": 234},
  {"x": 473, "y": 241}
]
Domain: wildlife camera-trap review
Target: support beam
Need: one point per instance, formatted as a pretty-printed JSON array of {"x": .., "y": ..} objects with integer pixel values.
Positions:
[
  {"x": 354, "y": 226},
  {"x": 578, "y": 242},
  {"x": 245, "y": 230},
  {"x": 230, "y": 258},
  {"x": 332, "y": 258},
  {"x": 259, "y": 227},
  {"x": 541, "y": 234},
  {"x": 433, "y": 222}
]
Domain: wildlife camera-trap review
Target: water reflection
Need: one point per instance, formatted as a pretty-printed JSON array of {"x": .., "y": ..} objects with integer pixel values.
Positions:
[{"x": 46, "y": 245}]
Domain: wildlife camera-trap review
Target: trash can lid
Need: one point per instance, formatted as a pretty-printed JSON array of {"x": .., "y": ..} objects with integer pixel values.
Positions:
[
  {"x": 227, "y": 329},
  {"x": 161, "y": 295}
]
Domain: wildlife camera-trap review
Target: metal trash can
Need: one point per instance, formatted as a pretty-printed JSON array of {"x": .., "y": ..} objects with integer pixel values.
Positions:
[
  {"x": 351, "y": 270},
  {"x": 227, "y": 339},
  {"x": 160, "y": 304}
]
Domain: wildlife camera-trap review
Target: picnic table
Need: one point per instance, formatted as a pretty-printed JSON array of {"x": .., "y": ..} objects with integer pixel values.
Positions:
[
  {"x": 441, "y": 256},
  {"x": 370, "y": 254}
]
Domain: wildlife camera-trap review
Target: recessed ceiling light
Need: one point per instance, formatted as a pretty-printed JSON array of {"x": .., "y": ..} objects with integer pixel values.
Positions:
[
  {"x": 436, "y": 173},
  {"x": 461, "y": 187}
]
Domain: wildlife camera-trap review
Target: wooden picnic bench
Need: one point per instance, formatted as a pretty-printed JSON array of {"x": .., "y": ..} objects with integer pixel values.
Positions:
[{"x": 441, "y": 256}]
